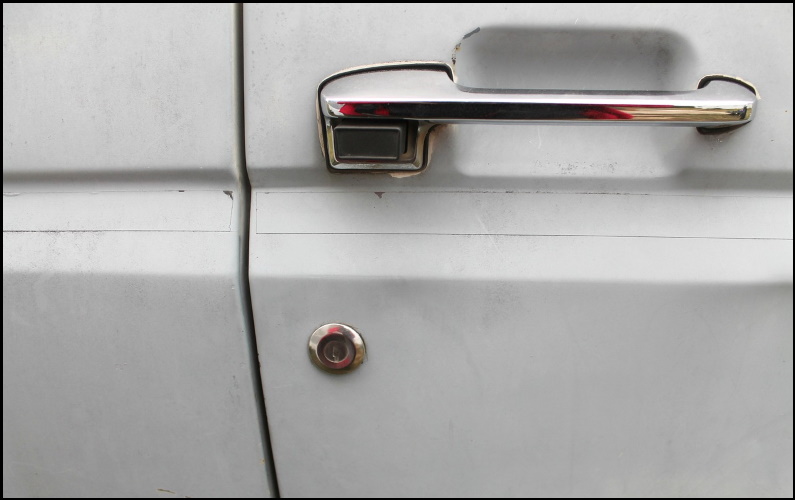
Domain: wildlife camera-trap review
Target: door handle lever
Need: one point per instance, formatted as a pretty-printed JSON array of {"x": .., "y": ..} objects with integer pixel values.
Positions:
[{"x": 378, "y": 118}]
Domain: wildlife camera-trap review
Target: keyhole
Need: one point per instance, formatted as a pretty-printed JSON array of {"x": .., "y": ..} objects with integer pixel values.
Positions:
[
  {"x": 336, "y": 351},
  {"x": 336, "y": 348}
]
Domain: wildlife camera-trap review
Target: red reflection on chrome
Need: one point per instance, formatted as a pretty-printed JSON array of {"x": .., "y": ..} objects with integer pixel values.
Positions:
[
  {"x": 605, "y": 113},
  {"x": 364, "y": 109}
]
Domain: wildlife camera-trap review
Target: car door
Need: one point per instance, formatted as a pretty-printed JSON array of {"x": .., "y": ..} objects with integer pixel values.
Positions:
[
  {"x": 128, "y": 363},
  {"x": 547, "y": 310}
]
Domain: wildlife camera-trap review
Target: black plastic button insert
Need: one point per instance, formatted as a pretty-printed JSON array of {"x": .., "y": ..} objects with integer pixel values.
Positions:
[{"x": 366, "y": 140}]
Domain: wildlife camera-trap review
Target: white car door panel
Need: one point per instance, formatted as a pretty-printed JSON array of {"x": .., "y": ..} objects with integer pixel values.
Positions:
[
  {"x": 547, "y": 310},
  {"x": 127, "y": 365}
]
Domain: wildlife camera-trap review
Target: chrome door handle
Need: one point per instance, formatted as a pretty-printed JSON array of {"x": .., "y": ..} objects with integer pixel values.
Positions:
[{"x": 377, "y": 118}]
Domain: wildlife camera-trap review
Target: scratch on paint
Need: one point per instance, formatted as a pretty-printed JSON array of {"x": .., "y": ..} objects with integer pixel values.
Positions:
[
  {"x": 458, "y": 45},
  {"x": 474, "y": 31}
]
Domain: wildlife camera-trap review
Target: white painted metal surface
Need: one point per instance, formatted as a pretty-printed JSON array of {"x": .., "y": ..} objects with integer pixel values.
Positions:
[
  {"x": 195, "y": 211},
  {"x": 117, "y": 88},
  {"x": 547, "y": 310},
  {"x": 127, "y": 369},
  {"x": 531, "y": 366},
  {"x": 501, "y": 213}
]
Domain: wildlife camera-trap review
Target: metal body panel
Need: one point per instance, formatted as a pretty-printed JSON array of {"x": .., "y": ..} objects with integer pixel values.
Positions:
[
  {"x": 499, "y": 213},
  {"x": 125, "y": 366},
  {"x": 127, "y": 362},
  {"x": 530, "y": 366},
  {"x": 289, "y": 51},
  {"x": 548, "y": 311},
  {"x": 117, "y": 89}
]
